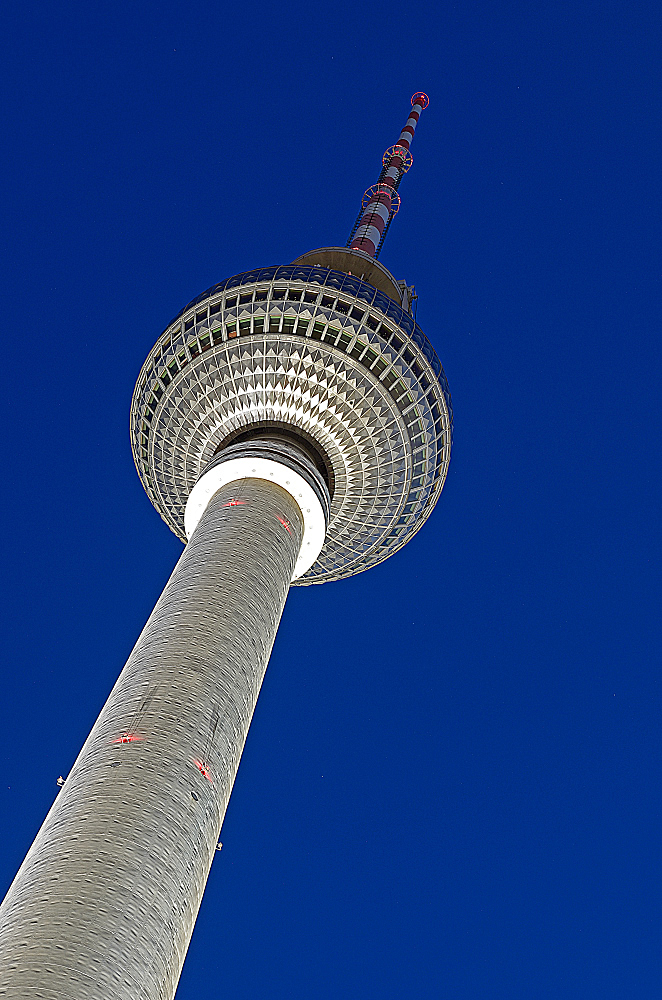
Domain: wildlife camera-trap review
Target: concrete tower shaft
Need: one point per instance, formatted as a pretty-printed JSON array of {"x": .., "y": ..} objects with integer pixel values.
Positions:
[{"x": 104, "y": 904}]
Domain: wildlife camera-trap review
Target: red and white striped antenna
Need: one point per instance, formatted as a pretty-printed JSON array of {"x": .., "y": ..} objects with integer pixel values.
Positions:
[{"x": 382, "y": 201}]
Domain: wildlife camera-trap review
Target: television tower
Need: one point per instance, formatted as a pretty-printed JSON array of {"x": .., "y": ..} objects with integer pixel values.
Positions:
[{"x": 292, "y": 425}]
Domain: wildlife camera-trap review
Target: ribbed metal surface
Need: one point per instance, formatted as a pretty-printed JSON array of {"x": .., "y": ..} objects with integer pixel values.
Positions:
[{"x": 104, "y": 904}]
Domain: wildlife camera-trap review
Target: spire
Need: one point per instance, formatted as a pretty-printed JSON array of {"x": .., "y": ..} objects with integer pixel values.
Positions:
[{"x": 382, "y": 201}]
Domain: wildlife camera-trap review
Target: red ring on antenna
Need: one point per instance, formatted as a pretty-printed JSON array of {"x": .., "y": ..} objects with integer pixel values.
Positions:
[
  {"x": 382, "y": 189},
  {"x": 402, "y": 152},
  {"x": 420, "y": 98}
]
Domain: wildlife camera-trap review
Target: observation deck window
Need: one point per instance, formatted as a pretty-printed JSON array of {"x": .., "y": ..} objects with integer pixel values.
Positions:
[
  {"x": 201, "y": 317},
  {"x": 288, "y": 324},
  {"x": 327, "y": 301},
  {"x": 365, "y": 292},
  {"x": 278, "y": 293},
  {"x": 342, "y": 307},
  {"x": 243, "y": 299},
  {"x": 350, "y": 285},
  {"x": 310, "y": 296},
  {"x": 302, "y": 326},
  {"x": 231, "y": 330},
  {"x": 231, "y": 303},
  {"x": 205, "y": 342},
  {"x": 382, "y": 302},
  {"x": 357, "y": 313},
  {"x": 294, "y": 295},
  {"x": 274, "y": 324},
  {"x": 372, "y": 322},
  {"x": 188, "y": 324},
  {"x": 244, "y": 327},
  {"x": 261, "y": 294},
  {"x": 357, "y": 350},
  {"x": 343, "y": 341}
]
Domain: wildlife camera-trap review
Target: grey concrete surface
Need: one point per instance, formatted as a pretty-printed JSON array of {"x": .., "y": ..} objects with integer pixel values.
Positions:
[{"x": 104, "y": 904}]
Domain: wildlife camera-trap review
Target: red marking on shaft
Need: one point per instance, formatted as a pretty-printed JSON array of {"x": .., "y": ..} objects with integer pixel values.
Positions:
[
  {"x": 128, "y": 738},
  {"x": 286, "y": 524},
  {"x": 204, "y": 771},
  {"x": 234, "y": 503}
]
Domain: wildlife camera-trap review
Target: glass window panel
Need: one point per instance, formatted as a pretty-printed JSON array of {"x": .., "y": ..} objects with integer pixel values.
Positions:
[
  {"x": 351, "y": 285},
  {"x": 365, "y": 292},
  {"x": 394, "y": 311},
  {"x": 381, "y": 301},
  {"x": 406, "y": 322}
]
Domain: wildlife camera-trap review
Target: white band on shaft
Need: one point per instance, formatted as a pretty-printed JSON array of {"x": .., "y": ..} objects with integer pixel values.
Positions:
[{"x": 236, "y": 469}]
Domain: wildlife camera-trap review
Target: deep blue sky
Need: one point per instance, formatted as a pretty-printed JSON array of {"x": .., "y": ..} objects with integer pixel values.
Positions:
[{"x": 451, "y": 788}]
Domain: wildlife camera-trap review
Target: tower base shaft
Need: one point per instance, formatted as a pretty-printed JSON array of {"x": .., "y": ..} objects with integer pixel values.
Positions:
[{"x": 104, "y": 904}]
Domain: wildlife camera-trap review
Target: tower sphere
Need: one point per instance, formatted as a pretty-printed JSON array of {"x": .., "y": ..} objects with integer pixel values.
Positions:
[{"x": 324, "y": 351}]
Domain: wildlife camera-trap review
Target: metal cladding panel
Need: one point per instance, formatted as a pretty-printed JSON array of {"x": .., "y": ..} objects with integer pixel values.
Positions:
[{"x": 104, "y": 904}]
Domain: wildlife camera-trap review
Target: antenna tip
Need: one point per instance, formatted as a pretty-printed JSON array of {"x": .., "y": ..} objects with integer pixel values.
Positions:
[{"x": 420, "y": 98}]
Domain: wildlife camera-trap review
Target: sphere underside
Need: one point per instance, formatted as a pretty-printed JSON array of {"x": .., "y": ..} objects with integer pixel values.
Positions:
[{"x": 329, "y": 356}]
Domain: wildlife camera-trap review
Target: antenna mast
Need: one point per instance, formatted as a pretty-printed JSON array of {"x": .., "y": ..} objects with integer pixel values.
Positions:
[{"x": 382, "y": 201}]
